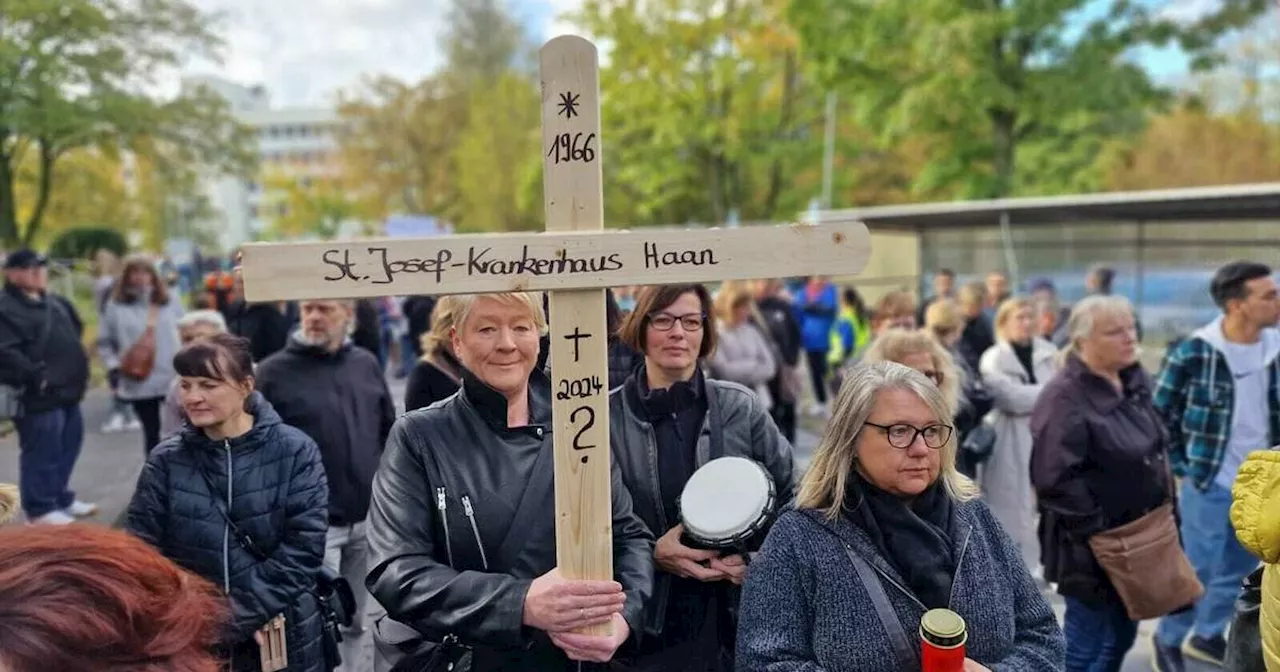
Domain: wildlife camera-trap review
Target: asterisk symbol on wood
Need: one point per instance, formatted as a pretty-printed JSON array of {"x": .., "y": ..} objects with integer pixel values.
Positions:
[{"x": 568, "y": 105}]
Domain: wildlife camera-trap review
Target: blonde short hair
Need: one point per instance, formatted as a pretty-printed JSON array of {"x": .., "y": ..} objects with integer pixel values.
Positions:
[
  {"x": 825, "y": 483},
  {"x": 730, "y": 296},
  {"x": 895, "y": 345},
  {"x": 972, "y": 295},
  {"x": 529, "y": 300},
  {"x": 1085, "y": 314},
  {"x": 443, "y": 316},
  {"x": 943, "y": 318},
  {"x": 1007, "y": 310},
  {"x": 894, "y": 305}
]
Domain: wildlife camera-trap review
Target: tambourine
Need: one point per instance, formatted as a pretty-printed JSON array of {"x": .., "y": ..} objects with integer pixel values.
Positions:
[{"x": 726, "y": 504}]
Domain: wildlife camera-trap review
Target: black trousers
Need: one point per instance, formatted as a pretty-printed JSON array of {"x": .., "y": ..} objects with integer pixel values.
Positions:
[
  {"x": 784, "y": 416},
  {"x": 148, "y": 411},
  {"x": 818, "y": 372}
]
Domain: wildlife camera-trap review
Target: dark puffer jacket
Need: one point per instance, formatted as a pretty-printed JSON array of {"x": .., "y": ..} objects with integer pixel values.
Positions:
[{"x": 278, "y": 496}]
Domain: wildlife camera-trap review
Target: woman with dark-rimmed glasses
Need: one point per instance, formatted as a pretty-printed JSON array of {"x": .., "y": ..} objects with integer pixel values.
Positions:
[
  {"x": 885, "y": 530},
  {"x": 666, "y": 421}
]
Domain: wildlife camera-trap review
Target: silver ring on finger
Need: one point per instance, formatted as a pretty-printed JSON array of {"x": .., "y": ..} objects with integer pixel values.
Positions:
[{"x": 584, "y": 612}]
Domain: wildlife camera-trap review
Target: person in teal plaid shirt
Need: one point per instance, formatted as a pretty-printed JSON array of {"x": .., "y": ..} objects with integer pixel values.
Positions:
[{"x": 1218, "y": 396}]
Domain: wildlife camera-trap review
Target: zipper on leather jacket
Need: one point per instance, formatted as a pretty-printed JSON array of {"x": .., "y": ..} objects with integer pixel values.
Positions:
[
  {"x": 442, "y": 505},
  {"x": 475, "y": 529}
]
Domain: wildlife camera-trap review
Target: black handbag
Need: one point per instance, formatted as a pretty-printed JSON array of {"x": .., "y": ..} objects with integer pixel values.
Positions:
[
  {"x": 447, "y": 656},
  {"x": 979, "y": 443},
  {"x": 1244, "y": 641},
  {"x": 332, "y": 592}
]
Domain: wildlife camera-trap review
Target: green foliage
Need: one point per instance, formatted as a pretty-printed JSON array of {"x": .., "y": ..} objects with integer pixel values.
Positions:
[
  {"x": 314, "y": 207},
  {"x": 501, "y": 136},
  {"x": 704, "y": 110},
  {"x": 84, "y": 241},
  {"x": 984, "y": 80},
  {"x": 73, "y": 77},
  {"x": 459, "y": 144}
]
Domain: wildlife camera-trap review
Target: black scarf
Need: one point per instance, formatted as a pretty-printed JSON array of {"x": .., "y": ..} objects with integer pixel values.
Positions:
[{"x": 915, "y": 536}]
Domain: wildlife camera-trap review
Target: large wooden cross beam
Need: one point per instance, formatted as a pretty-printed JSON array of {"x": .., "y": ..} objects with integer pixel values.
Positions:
[{"x": 575, "y": 260}]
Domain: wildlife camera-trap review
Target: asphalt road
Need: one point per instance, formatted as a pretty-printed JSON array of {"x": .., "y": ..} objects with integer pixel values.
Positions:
[{"x": 109, "y": 466}]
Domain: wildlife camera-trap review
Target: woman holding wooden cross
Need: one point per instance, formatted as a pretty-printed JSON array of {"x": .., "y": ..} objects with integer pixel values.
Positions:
[
  {"x": 462, "y": 528},
  {"x": 666, "y": 422}
]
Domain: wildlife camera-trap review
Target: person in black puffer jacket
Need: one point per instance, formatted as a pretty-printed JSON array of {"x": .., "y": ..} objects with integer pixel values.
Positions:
[{"x": 235, "y": 456}]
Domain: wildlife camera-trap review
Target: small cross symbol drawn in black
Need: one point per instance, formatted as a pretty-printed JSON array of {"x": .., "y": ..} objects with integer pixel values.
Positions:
[{"x": 576, "y": 337}]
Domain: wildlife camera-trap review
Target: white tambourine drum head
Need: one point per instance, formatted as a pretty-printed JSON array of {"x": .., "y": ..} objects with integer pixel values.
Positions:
[{"x": 725, "y": 500}]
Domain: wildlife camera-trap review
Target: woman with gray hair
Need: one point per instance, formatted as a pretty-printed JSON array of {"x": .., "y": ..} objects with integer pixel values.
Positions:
[
  {"x": 1097, "y": 462},
  {"x": 193, "y": 326},
  {"x": 884, "y": 531}
]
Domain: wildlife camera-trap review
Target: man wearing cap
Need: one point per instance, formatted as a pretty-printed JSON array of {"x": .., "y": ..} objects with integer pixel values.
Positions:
[{"x": 41, "y": 355}]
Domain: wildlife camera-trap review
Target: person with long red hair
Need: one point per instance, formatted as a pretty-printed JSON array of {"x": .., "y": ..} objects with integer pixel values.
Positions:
[{"x": 92, "y": 599}]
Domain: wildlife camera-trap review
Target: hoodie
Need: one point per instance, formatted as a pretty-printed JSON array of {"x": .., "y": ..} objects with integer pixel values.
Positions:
[{"x": 1196, "y": 395}]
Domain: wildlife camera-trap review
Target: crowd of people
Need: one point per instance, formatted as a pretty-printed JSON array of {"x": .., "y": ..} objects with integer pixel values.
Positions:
[{"x": 981, "y": 448}]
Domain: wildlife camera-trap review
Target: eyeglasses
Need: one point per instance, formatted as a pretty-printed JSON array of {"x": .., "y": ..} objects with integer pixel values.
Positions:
[
  {"x": 664, "y": 322},
  {"x": 935, "y": 376},
  {"x": 903, "y": 435}
]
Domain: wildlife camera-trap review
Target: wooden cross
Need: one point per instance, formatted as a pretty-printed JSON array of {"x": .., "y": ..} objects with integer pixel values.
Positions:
[{"x": 574, "y": 260}]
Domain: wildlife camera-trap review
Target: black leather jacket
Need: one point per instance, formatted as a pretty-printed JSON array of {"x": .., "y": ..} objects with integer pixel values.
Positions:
[
  {"x": 457, "y": 460},
  {"x": 737, "y": 423}
]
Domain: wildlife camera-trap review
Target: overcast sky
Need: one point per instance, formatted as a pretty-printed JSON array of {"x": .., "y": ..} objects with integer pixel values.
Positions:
[{"x": 306, "y": 50}]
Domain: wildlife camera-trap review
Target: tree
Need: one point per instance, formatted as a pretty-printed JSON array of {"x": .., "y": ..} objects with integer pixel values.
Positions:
[
  {"x": 398, "y": 141},
  {"x": 92, "y": 191},
  {"x": 459, "y": 144},
  {"x": 1249, "y": 77},
  {"x": 986, "y": 79},
  {"x": 501, "y": 137},
  {"x": 1191, "y": 147},
  {"x": 705, "y": 110},
  {"x": 314, "y": 206},
  {"x": 71, "y": 77},
  {"x": 167, "y": 198},
  {"x": 83, "y": 242},
  {"x": 484, "y": 42}
]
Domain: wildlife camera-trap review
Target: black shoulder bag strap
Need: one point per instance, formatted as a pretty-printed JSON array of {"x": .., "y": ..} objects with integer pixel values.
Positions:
[
  {"x": 246, "y": 541},
  {"x": 714, "y": 421},
  {"x": 329, "y": 617},
  {"x": 888, "y": 618}
]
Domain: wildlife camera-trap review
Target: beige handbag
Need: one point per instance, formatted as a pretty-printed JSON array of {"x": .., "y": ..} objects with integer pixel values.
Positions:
[{"x": 1147, "y": 566}]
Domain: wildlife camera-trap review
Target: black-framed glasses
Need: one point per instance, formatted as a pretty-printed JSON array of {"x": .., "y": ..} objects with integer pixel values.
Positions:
[
  {"x": 902, "y": 435},
  {"x": 664, "y": 321}
]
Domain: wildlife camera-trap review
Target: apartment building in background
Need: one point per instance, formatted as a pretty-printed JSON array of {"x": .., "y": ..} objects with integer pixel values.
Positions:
[{"x": 296, "y": 143}]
